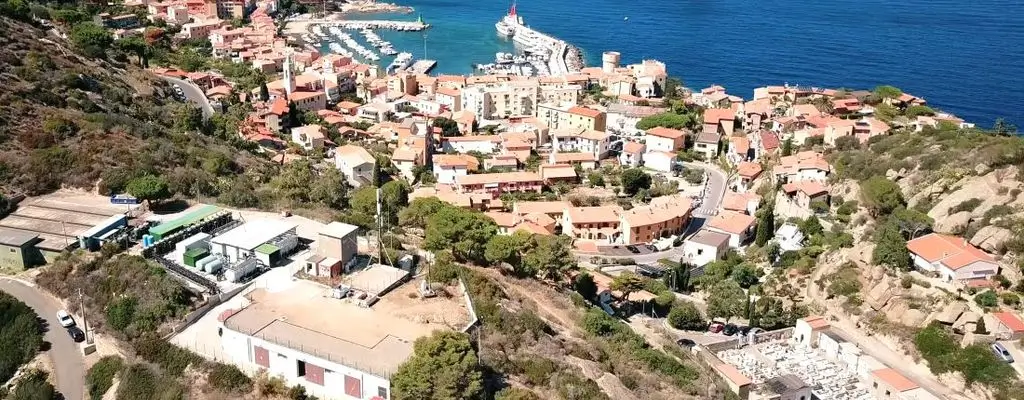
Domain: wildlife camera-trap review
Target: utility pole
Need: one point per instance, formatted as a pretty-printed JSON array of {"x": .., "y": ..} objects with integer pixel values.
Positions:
[
  {"x": 85, "y": 321},
  {"x": 65, "y": 229}
]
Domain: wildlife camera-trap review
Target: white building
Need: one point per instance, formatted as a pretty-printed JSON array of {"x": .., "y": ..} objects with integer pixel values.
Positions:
[
  {"x": 659, "y": 160},
  {"x": 581, "y": 141},
  {"x": 309, "y": 136},
  {"x": 334, "y": 348},
  {"x": 803, "y": 166},
  {"x": 486, "y": 144},
  {"x": 665, "y": 139},
  {"x": 266, "y": 240},
  {"x": 789, "y": 237},
  {"x": 951, "y": 257},
  {"x": 632, "y": 154},
  {"x": 739, "y": 226},
  {"x": 355, "y": 163},
  {"x": 706, "y": 246}
]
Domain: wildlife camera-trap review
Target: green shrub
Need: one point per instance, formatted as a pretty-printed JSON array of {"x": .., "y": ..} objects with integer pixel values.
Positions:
[
  {"x": 229, "y": 378},
  {"x": 100, "y": 377},
  {"x": 1010, "y": 299},
  {"x": 121, "y": 312},
  {"x": 20, "y": 335},
  {"x": 537, "y": 370},
  {"x": 32, "y": 386},
  {"x": 966, "y": 205},
  {"x": 987, "y": 298},
  {"x": 906, "y": 281},
  {"x": 140, "y": 382},
  {"x": 171, "y": 358},
  {"x": 684, "y": 315}
]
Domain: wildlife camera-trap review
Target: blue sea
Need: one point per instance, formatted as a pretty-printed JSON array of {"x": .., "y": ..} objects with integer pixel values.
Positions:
[{"x": 965, "y": 57}]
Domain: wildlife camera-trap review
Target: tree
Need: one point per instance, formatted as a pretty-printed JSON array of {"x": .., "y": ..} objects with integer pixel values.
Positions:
[
  {"x": 264, "y": 92},
  {"x": 506, "y": 249},
  {"x": 585, "y": 286},
  {"x": 329, "y": 189},
  {"x": 668, "y": 120},
  {"x": 911, "y": 222},
  {"x": 887, "y": 92},
  {"x": 684, "y": 315},
  {"x": 135, "y": 45},
  {"x": 891, "y": 248},
  {"x": 549, "y": 255},
  {"x": 726, "y": 300},
  {"x": 449, "y": 127},
  {"x": 596, "y": 179},
  {"x": 811, "y": 226},
  {"x": 881, "y": 196},
  {"x": 988, "y": 298},
  {"x": 418, "y": 211},
  {"x": 634, "y": 179},
  {"x": 393, "y": 195},
  {"x": 462, "y": 231},
  {"x": 886, "y": 112},
  {"x": 746, "y": 275},
  {"x": 149, "y": 188},
  {"x": 1003, "y": 128},
  {"x": 91, "y": 39},
  {"x": 918, "y": 110},
  {"x": 844, "y": 143},
  {"x": 627, "y": 282},
  {"x": 765, "y": 224},
  {"x": 678, "y": 278},
  {"x": 188, "y": 118},
  {"x": 980, "y": 328},
  {"x": 787, "y": 147},
  {"x": 33, "y": 386},
  {"x": 16, "y": 9},
  {"x": 443, "y": 366}
]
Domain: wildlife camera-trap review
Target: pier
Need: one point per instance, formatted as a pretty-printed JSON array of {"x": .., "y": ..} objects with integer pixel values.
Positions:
[
  {"x": 423, "y": 66},
  {"x": 411, "y": 26}
]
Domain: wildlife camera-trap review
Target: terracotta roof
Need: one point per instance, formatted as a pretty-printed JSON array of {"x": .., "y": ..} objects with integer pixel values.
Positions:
[
  {"x": 501, "y": 177},
  {"x": 666, "y": 133},
  {"x": 810, "y": 188},
  {"x": 475, "y": 138},
  {"x": 953, "y": 252},
  {"x": 806, "y": 109},
  {"x": 591, "y": 215},
  {"x": 572, "y": 157},
  {"x": 816, "y": 322},
  {"x": 405, "y": 154},
  {"x": 553, "y": 171},
  {"x": 714, "y": 115},
  {"x": 759, "y": 106},
  {"x": 503, "y": 219},
  {"x": 710, "y": 238},
  {"x": 279, "y": 106},
  {"x": 348, "y": 105},
  {"x": 633, "y": 147},
  {"x": 456, "y": 160},
  {"x": 739, "y": 201},
  {"x": 531, "y": 227},
  {"x": 749, "y": 170},
  {"x": 732, "y": 222},
  {"x": 894, "y": 379},
  {"x": 667, "y": 208},
  {"x": 353, "y": 154},
  {"x": 769, "y": 141},
  {"x": 741, "y": 144},
  {"x": 586, "y": 112},
  {"x": 1011, "y": 320},
  {"x": 733, "y": 375},
  {"x": 447, "y": 91},
  {"x": 800, "y": 161},
  {"x": 544, "y": 207}
]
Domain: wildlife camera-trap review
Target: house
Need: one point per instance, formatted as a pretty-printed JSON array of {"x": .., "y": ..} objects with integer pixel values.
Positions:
[
  {"x": 789, "y": 237},
  {"x": 337, "y": 245},
  {"x": 582, "y": 141},
  {"x": 665, "y": 139},
  {"x": 707, "y": 143},
  {"x": 768, "y": 144},
  {"x": 498, "y": 183},
  {"x": 804, "y": 193},
  {"x": 802, "y": 166},
  {"x": 739, "y": 226},
  {"x": 887, "y": 383},
  {"x": 587, "y": 118},
  {"x": 486, "y": 144},
  {"x": 747, "y": 172},
  {"x": 555, "y": 173},
  {"x": 664, "y": 217},
  {"x": 706, "y": 246},
  {"x": 586, "y": 161},
  {"x": 309, "y": 137},
  {"x": 746, "y": 203},
  {"x": 553, "y": 209},
  {"x": 355, "y": 163},
  {"x": 632, "y": 154},
  {"x": 721, "y": 120},
  {"x": 739, "y": 150},
  {"x": 1006, "y": 325},
  {"x": 659, "y": 160},
  {"x": 599, "y": 224},
  {"x": 406, "y": 159},
  {"x": 951, "y": 257},
  {"x": 449, "y": 166}
]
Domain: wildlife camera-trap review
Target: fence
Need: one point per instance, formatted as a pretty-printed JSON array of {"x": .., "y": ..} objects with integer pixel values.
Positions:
[{"x": 469, "y": 306}]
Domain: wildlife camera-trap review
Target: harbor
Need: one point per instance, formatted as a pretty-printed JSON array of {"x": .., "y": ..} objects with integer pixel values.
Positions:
[{"x": 540, "y": 54}]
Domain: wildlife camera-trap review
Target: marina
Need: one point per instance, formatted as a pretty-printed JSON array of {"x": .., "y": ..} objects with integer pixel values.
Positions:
[
  {"x": 423, "y": 66},
  {"x": 541, "y": 54}
]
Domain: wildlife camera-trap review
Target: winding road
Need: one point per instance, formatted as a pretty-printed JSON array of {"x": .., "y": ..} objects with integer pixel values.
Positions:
[
  {"x": 193, "y": 93},
  {"x": 66, "y": 356}
]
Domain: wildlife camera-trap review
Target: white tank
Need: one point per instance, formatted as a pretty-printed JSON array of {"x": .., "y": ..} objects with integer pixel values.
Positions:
[
  {"x": 610, "y": 61},
  {"x": 214, "y": 266}
]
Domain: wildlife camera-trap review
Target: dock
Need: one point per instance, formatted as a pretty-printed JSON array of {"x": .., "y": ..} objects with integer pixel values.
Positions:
[
  {"x": 423, "y": 66},
  {"x": 376, "y": 24}
]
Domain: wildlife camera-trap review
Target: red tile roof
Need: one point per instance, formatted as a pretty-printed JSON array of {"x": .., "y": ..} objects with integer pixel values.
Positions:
[
  {"x": 1011, "y": 320},
  {"x": 894, "y": 379},
  {"x": 666, "y": 133},
  {"x": 584, "y": 111},
  {"x": 953, "y": 252}
]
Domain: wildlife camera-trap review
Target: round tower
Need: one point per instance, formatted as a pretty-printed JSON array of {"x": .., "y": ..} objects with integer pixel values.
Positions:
[{"x": 610, "y": 61}]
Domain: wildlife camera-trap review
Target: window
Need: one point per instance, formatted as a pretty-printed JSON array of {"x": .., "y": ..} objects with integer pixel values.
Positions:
[
  {"x": 300, "y": 368},
  {"x": 382, "y": 392}
]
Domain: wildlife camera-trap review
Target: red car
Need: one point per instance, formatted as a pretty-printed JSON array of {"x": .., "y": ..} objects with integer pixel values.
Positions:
[{"x": 716, "y": 327}]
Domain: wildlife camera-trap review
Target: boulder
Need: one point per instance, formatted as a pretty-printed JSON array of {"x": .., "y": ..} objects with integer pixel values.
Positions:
[
  {"x": 986, "y": 188},
  {"x": 992, "y": 239},
  {"x": 982, "y": 169},
  {"x": 954, "y": 224},
  {"x": 913, "y": 317}
]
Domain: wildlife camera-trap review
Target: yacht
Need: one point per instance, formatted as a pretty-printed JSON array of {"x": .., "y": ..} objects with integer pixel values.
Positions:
[
  {"x": 402, "y": 61},
  {"x": 507, "y": 26}
]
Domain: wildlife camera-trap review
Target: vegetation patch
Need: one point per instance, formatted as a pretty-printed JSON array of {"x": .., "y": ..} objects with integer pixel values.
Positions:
[
  {"x": 100, "y": 377},
  {"x": 20, "y": 335}
]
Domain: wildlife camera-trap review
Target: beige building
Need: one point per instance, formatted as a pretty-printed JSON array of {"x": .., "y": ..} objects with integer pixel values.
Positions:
[{"x": 571, "y": 117}]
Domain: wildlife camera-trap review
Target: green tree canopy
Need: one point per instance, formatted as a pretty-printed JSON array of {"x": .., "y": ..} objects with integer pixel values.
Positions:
[
  {"x": 918, "y": 110},
  {"x": 887, "y": 92},
  {"x": 684, "y": 315},
  {"x": 627, "y": 282},
  {"x": 912, "y": 223},
  {"x": 635, "y": 179},
  {"x": 449, "y": 127},
  {"x": 419, "y": 210},
  {"x": 148, "y": 187},
  {"x": 765, "y": 224},
  {"x": 891, "y": 248},
  {"x": 726, "y": 300},
  {"x": 881, "y": 196},
  {"x": 667, "y": 120},
  {"x": 549, "y": 255},
  {"x": 584, "y": 285},
  {"x": 329, "y": 189},
  {"x": 462, "y": 231},
  {"x": 443, "y": 367},
  {"x": 506, "y": 248},
  {"x": 91, "y": 39}
]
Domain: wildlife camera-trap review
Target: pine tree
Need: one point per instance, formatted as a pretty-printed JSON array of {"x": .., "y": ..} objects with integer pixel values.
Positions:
[
  {"x": 264, "y": 92},
  {"x": 749, "y": 310},
  {"x": 766, "y": 224},
  {"x": 787, "y": 147},
  {"x": 685, "y": 283}
]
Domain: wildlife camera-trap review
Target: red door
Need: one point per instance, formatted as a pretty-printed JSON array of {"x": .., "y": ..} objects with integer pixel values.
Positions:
[{"x": 262, "y": 356}]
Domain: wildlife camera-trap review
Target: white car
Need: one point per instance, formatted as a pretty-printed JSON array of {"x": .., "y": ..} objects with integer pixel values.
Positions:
[{"x": 65, "y": 319}]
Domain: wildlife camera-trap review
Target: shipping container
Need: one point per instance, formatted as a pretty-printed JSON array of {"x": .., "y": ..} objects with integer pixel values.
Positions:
[{"x": 191, "y": 256}]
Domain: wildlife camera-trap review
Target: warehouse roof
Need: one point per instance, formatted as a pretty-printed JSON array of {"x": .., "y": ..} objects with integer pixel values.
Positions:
[
  {"x": 189, "y": 218},
  {"x": 16, "y": 238},
  {"x": 254, "y": 233}
]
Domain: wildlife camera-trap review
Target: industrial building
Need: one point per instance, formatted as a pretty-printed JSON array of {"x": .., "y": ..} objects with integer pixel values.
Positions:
[
  {"x": 336, "y": 348},
  {"x": 61, "y": 225},
  {"x": 267, "y": 241},
  {"x": 336, "y": 248},
  {"x": 190, "y": 218},
  {"x": 18, "y": 250},
  {"x": 95, "y": 237}
]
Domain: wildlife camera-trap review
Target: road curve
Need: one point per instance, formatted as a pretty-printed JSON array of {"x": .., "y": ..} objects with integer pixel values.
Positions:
[
  {"x": 65, "y": 355},
  {"x": 193, "y": 93}
]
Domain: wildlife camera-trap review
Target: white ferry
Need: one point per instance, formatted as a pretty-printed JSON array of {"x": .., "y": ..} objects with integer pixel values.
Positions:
[{"x": 507, "y": 26}]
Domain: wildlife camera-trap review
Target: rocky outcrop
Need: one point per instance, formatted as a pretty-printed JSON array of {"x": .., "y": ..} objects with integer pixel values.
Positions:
[
  {"x": 954, "y": 224},
  {"x": 992, "y": 239},
  {"x": 992, "y": 189}
]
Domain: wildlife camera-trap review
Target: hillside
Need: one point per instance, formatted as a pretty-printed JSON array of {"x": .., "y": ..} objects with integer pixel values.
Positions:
[{"x": 68, "y": 121}]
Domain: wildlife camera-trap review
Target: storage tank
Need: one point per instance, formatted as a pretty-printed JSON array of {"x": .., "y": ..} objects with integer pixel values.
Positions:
[
  {"x": 214, "y": 266},
  {"x": 610, "y": 61},
  {"x": 201, "y": 264},
  {"x": 235, "y": 272}
]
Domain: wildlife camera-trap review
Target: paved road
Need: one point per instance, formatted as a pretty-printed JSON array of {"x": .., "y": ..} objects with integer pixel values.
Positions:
[
  {"x": 193, "y": 93},
  {"x": 68, "y": 363},
  {"x": 873, "y": 347}
]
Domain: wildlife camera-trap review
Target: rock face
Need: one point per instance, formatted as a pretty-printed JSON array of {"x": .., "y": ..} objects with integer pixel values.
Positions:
[
  {"x": 954, "y": 224},
  {"x": 992, "y": 239}
]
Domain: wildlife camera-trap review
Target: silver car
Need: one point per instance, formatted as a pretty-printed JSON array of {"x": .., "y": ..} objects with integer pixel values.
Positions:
[{"x": 1001, "y": 352}]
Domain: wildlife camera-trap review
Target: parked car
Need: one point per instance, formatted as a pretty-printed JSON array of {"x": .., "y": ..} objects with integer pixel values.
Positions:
[
  {"x": 686, "y": 343},
  {"x": 1001, "y": 352},
  {"x": 730, "y": 329},
  {"x": 652, "y": 248},
  {"x": 76, "y": 334},
  {"x": 65, "y": 319},
  {"x": 633, "y": 249},
  {"x": 716, "y": 327}
]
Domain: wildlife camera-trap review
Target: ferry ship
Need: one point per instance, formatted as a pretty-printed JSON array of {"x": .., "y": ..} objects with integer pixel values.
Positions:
[{"x": 507, "y": 26}]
